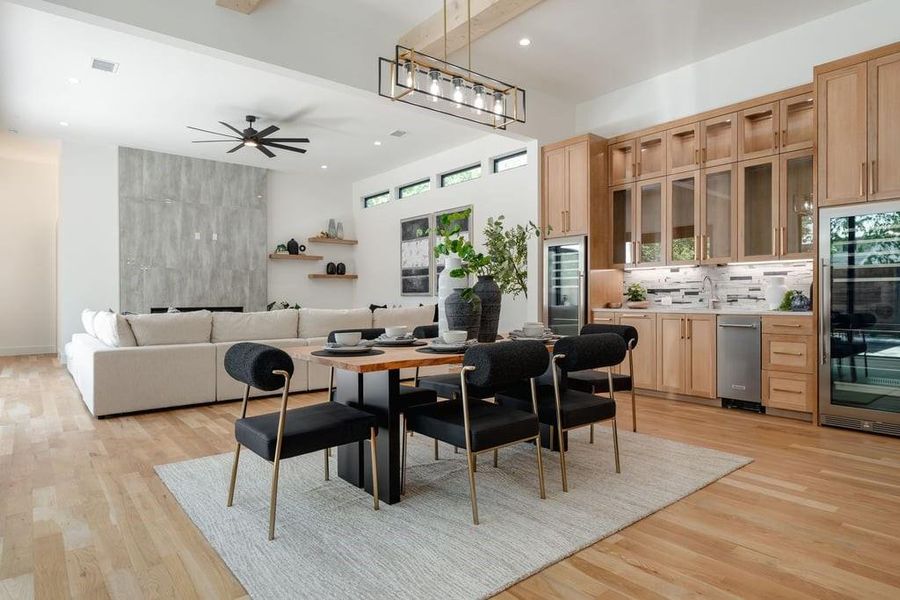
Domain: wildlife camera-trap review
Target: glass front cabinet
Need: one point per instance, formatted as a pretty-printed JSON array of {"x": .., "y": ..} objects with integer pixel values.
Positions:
[
  {"x": 797, "y": 199},
  {"x": 621, "y": 210},
  {"x": 683, "y": 247},
  {"x": 758, "y": 209},
  {"x": 651, "y": 219},
  {"x": 718, "y": 215}
]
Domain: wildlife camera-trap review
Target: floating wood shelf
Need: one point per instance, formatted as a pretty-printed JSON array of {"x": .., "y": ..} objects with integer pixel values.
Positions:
[
  {"x": 283, "y": 256},
  {"x": 325, "y": 240},
  {"x": 327, "y": 276}
]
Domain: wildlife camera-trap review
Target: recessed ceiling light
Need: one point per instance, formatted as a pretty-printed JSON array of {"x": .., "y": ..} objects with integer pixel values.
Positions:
[
  {"x": 324, "y": 166},
  {"x": 13, "y": 131},
  {"x": 525, "y": 42},
  {"x": 377, "y": 142},
  {"x": 63, "y": 123},
  {"x": 74, "y": 80}
]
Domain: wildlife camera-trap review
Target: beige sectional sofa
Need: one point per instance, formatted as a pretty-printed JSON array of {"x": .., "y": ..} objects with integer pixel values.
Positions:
[{"x": 129, "y": 363}]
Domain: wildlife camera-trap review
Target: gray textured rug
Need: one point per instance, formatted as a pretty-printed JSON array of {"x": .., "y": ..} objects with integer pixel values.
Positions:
[{"x": 331, "y": 544}]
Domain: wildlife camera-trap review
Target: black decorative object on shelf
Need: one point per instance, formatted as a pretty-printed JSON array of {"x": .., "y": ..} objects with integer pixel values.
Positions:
[
  {"x": 491, "y": 297},
  {"x": 341, "y": 269},
  {"x": 331, "y": 269},
  {"x": 293, "y": 247}
]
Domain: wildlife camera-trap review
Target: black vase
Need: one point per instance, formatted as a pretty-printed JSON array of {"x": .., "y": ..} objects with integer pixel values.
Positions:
[
  {"x": 463, "y": 315},
  {"x": 491, "y": 297},
  {"x": 330, "y": 269},
  {"x": 341, "y": 269},
  {"x": 293, "y": 247}
]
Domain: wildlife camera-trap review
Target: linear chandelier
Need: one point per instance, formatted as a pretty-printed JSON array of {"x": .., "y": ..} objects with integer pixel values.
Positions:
[{"x": 428, "y": 82}]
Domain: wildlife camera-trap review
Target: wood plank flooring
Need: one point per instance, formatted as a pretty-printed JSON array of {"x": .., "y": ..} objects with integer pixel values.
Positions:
[{"x": 83, "y": 515}]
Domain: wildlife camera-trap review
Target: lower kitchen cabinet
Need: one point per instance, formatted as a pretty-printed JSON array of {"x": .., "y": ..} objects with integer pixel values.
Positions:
[
  {"x": 789, "y": 391},
  {"x": 644, "y": 353},
  {"x": 686, "y": 354},
  {"x": 670, "y": 359},
  {"x": 789, "y": 363}
]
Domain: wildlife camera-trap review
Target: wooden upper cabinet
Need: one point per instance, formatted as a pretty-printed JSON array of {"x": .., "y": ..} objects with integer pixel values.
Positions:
[
  {"x": 797, "y": 202},
  {"x": 651, "y": 156},
  {"x": 842, "y": 158},
  {"x": 650, "y": 222},
  {"x": 683, "y": 148},
  {"x": 622, "y": 234},
  {"x": 578, "y": 168},
  {"x": 718, "y": 215},
  {"x": 718, "y": 140},
  {"x": 622, "y": 162},
  {"x": 798, "y": 123},
  {"x": 758, "y": 131},
  {"x": 555, "y": 182},
  {"x": 758, "y": 209},
  {"x": 884, "y": 127},
  {"x": 683, "y": 219}
]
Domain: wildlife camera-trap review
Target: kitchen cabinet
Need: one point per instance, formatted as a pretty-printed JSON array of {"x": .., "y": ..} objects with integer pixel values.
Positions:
[
  {"x": 718, "y": 215},
  {"x": 578, "y": 173},
  {"x": 670, "y": 359},
  {"x": 788, "y": 353},
  {"x": 758, "y": 131},
  {"x": 644, "y": 354},
  {"x": 573, "y": 173},
  {"x": 683, "y": 219},
  {"x": 650, "y": 219},
  {"x": 789, "y": 363},
  {"x": 718, "y": 140},
  {"x": 798, "y": 123},
  {"x": 622, "y": 162},
  {"x": 789, "y": 391},
  {"x": 884, "y": 127},
  {"x": 651, "y": 156},
  {"x": 797, "y": 205},
  {"x": 555, "y": 195},
  {"x": 686, "y": 354},
  {"x": 683, "y": 148},
  {"x": 758, "y": 209},
  {"x": 622, "y": 235},
  {"x": 841, "y": 108}
]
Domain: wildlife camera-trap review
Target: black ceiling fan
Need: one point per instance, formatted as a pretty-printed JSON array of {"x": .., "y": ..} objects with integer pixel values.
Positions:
[{"x": 253, "y": 138}]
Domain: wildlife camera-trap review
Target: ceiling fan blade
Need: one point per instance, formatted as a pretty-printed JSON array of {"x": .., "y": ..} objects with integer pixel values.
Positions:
[
  {"x": 292, "y": 140},
  {"x": 283, "y": 147},
  {"x": 266, "y": 151},
  {"x": 211, "y": 141},
  {"x": 234, "y": 129},
  {"x": 213, "y": 132},
  {"x": 267, "y": 131},
  {"x": 236, "y": 148}
]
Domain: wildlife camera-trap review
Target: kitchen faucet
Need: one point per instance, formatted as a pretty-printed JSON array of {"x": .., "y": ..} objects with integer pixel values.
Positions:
[{"x": 710, "y": 300}]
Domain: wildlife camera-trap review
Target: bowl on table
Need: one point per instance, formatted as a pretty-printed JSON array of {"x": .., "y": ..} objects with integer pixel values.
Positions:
[
  {"x": 396, "y": 331},
  {"x": 455, "y": 336},
  {"x": 533, "y": 330},
  {"x": 349, "y": 338}
]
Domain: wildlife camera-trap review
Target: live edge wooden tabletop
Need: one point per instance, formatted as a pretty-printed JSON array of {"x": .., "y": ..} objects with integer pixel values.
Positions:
[{"x": 393, "y": 358}]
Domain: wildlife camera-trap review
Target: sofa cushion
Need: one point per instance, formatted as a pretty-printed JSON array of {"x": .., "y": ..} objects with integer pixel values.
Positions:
[
  {"x": 171, "y": 328},
  {"x": 411, "y": 316},
  {"x": 319, "y": 322},
  {"x": 239, "y": 327},
  {"x": 87, "y": 321},
  {"x": 113, "y": 330}
]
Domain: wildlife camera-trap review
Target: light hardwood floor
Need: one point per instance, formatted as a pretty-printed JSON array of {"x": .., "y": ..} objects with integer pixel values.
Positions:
[{"x": 82, "y": 513}]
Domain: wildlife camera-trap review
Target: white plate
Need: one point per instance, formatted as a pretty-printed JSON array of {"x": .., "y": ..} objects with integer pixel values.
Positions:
[
  {"x": 397, "y": 342},
  {"x": 443, "y": 347},
  {"x": 347, "y": 349}
]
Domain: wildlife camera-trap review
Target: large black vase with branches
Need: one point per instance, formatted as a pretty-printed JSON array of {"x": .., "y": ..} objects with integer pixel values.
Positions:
[
  {"x": 463, "y": 312},
  {"x": 491, "y": 297}
]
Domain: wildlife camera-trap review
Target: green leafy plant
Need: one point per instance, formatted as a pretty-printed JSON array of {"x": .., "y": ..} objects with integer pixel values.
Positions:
[
  {"x": 507, "y": 255},
  {"x": 280, "y": 249},
  {"x": 281, "y": 305},
  {"x": 636, "y": 293},
  {"x": 788, "y": 299}
]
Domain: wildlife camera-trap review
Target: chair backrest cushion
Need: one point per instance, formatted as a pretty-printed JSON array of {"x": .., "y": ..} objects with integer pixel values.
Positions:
[
  {"x": 424, "y": 332},
  {"x": 626, "y": 331},
  {"x": 505, "y": 364},
  {"x": 592, "y": 351},
  {"x": 367, "y": 334},
  {"x": 254, "y": 364}
]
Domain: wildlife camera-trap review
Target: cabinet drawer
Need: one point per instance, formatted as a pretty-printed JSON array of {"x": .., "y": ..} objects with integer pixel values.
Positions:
[
  {"x": 794, "y": 353},
  {"x": 802, "y": 325},
  {"x": 789, "y": 391},
  {"x": 603, "y": 317}
]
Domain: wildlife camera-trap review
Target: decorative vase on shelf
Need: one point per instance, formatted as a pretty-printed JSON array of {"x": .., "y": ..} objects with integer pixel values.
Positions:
[
  {"x": 446, "y": 285},
  {"x": 463, "y": 315},
  {"x": 293, "y": 247},
  {"x": 340, "y": 230},
  {"x": 775, "y": 289},
  {"x": 332, "y": 229},
  {"x": 330, "y": 269},
  {"x": 491, "y": 297},
  {"x": 341, "y": 269}
]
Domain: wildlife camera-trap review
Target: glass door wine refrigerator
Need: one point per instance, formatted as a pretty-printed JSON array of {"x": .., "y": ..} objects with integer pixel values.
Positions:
[
  {"x": 565, "y": 289},
  {"x": 859, "y": 374}
]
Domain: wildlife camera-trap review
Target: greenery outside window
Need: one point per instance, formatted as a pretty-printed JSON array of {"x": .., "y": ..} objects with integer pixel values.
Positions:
[
  {"x": 461, "y": 175},
  {"x": 511, "y": 161},
  {"x": 405, "y": 191},
  {"x": 376, "y": 199}
]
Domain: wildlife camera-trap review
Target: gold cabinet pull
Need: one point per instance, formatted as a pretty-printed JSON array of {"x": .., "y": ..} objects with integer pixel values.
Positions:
[
  {"x": 697, "y": 156},
  {"x": 862, "y": 180},
  {"x": 704, "y": 154},
  {"x": 873, "y": 178},
  {"x": 797, "y": 325},
  {"x": 776, "y": 140},
  {"x": 774, "y": 241},
  {"x": 786, "y": 391},
  {"x": 784, "y": 137},
  {"x": 783, "y": 241},
  {"x": 787, "y": 353}
]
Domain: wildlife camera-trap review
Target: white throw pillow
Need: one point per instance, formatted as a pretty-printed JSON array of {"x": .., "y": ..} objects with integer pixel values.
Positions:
[
  {"x": 319, "y": 322},
  {"x": 411, "y": 316},
  {"x": 271, "y": 325},
  {"x": 87, "y": 321},
  {"x": 172, "y": 328},
  {"x": 113, "y": 330}
]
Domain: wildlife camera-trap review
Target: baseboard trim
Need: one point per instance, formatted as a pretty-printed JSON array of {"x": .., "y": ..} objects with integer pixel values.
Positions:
[{"x": 26, "y": 350}]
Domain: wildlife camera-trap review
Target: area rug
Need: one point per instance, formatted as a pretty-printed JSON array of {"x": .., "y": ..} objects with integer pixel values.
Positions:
[{"x": 330, "y": 543}]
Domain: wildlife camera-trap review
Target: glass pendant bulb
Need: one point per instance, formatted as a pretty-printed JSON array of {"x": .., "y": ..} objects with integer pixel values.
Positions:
[
  {"x": 479, "y": 98},
  {"x": 435, "y": 88},
  {"x": 410, "y": 76},
  {"x": 498, "y": 103},
  {"x": 458, "y": 94}
]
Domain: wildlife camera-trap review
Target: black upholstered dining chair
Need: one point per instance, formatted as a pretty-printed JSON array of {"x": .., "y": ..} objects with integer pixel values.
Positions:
[
  {"x": 597, "y": 382},
  {"x": 565, "y": 409},
  {"x": 288, "y": 433},
  {"x": 480, "y": 426}
]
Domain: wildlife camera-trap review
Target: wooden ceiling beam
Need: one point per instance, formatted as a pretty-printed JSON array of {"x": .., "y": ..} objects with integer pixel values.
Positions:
[
  {"x": 242, "y": 6},
  {"x": 487, "y": 15}
]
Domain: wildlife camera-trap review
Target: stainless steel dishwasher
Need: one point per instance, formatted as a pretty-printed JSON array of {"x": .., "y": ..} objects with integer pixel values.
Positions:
[{"x": 738, "y": 370}]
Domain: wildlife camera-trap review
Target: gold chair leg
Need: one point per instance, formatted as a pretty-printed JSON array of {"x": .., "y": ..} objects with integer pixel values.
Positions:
[
  {"x": 374, "y": 453},
  {"x": 591, "y": 441},
  {"x": 237, "y": 456},
  {"x": 540, "y": 462},
  {"x": 616, "y": 445},
  {"x": 326, "y": 464},
  {"x": 403, "y": 441},
  {"x": 436, "y": 457},
  {"x": 470, "y": 457},
  {"x": 562, "y": 459},
  {"x": 496, "y": 452},
  {"x": 273, "y": 499},
  {"x": 455, "y": 449}
]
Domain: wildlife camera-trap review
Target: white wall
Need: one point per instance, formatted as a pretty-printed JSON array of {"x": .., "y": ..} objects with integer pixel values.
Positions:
[
  {"x": 513, "y": 193},
  {"x": 28, "y": 201},
  {"x": 771, "y": 64},
  {"x": 88, "y": 238},
  {"x": 299, "y": 206}
]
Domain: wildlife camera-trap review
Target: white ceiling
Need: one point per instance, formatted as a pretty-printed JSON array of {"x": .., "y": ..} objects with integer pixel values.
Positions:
[{"x": 160, "y": 89}]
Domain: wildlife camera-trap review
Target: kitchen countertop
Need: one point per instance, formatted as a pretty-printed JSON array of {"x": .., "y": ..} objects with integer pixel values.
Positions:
[{"x": 675, "y": 308}]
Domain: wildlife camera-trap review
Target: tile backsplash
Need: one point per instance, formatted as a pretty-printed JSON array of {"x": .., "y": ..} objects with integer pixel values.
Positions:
[{"x": 736, "y": 286}]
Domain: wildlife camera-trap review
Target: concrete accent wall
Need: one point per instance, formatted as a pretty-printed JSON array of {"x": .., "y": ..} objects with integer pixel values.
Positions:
[{"x": 192, "y": 232}]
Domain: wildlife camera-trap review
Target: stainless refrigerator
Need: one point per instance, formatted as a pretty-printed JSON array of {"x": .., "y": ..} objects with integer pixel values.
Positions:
[
  {"x": 859, "y": 374},
  {"x": 565, "y": 285}
]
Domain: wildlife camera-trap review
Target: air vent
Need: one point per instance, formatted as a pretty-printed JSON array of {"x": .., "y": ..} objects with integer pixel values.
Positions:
[
  {"x": 104, "y": 65},
  {"x": 851, "y": 423},
  {"x": 398, "y": 133}
]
